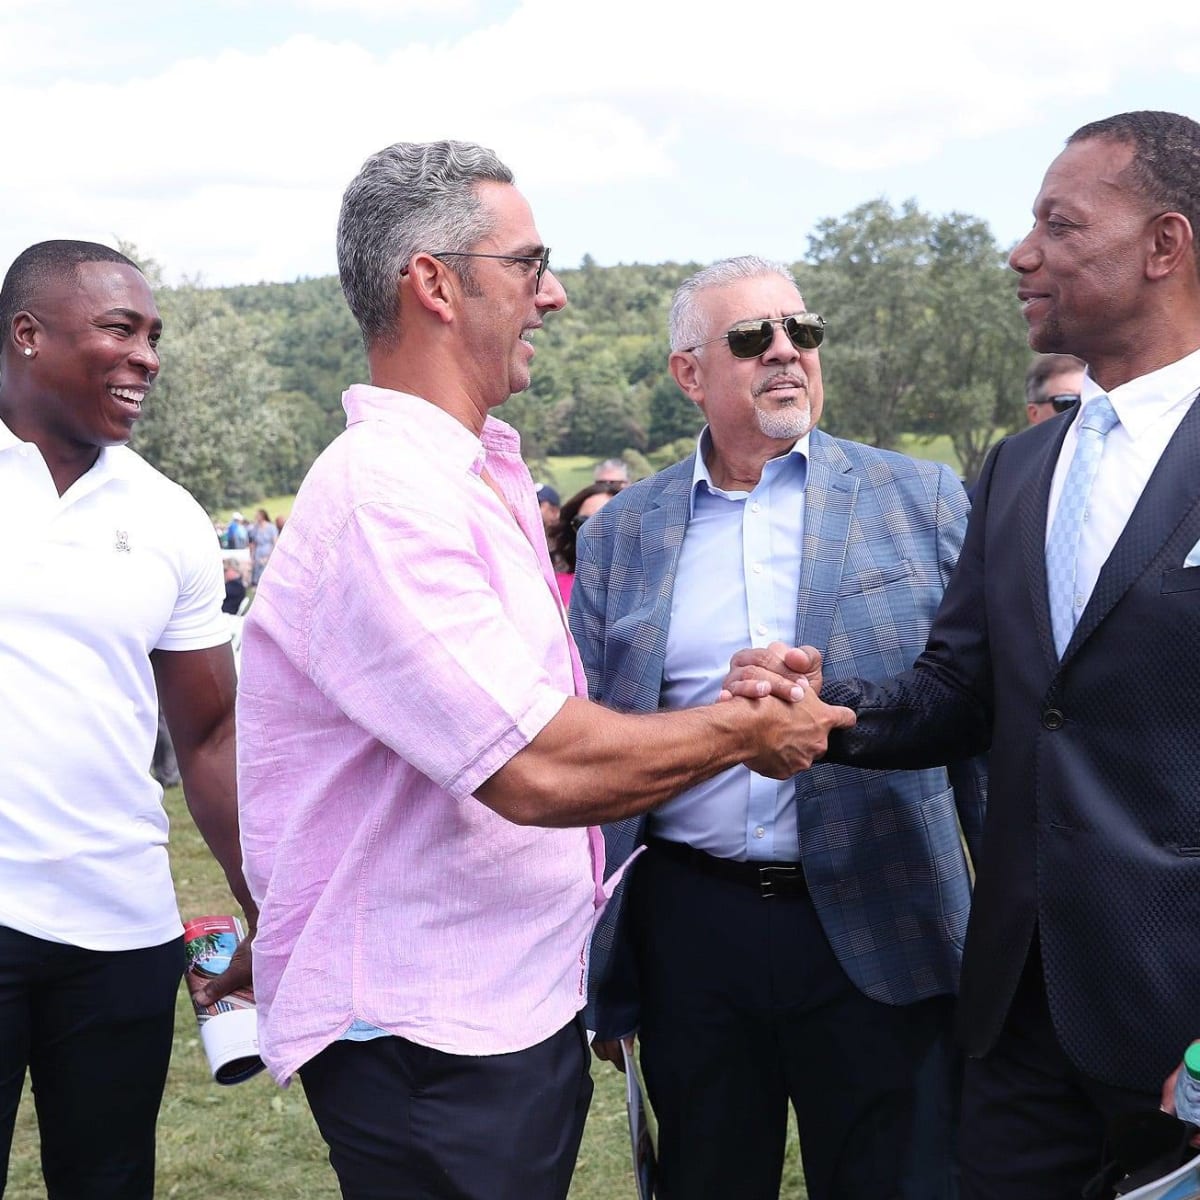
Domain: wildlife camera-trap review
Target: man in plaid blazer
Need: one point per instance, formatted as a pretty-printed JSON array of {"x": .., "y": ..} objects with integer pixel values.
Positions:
[{"x": 797, "y": 941}]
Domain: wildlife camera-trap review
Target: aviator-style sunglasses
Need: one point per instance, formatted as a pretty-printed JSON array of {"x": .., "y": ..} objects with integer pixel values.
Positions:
[{"x": 805, "y": 331}]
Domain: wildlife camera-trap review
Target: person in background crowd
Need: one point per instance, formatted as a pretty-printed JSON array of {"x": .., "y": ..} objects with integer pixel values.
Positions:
[
  {"x": 797, "y": 939},
  {"x": 235, "y": 587},
  {"x": 612, "y": 470},
  {"x": 1052, "y": 385},
  {"x": 550, "y": 506},
  {"x": 125, "y": 615},
  {"x": 236, "y": 535},
  {"x": 585, "y": 503},
  {"x": 417, "y": 763},
  {"x": 263, "y": 536}
]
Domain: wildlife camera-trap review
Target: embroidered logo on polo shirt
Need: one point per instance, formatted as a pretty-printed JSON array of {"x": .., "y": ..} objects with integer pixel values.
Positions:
[{"x": 122, "y": 542}]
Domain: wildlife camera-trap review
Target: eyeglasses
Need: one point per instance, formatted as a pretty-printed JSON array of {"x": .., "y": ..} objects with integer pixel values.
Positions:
[
  {"x": 542, "y": 260},
  {"x": 805, "y": 331}
]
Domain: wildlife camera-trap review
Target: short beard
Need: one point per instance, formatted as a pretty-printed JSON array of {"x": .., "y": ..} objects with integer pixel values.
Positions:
[{"x": 791, "y": 421}]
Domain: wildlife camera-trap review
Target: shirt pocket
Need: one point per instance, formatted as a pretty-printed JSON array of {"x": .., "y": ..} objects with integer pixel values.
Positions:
[{"x": 873, "y": 579}]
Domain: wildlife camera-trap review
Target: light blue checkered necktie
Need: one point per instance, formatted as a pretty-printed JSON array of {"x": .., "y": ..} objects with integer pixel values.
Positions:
[{"x": 1062, "y": 550}]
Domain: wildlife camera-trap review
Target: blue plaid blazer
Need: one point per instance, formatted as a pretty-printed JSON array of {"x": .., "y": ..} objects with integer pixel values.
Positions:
[{"x": 881, "y": 850}]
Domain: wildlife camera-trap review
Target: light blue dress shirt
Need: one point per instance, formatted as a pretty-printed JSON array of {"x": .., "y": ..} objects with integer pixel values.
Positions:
[{"x": 735, "y": 586}]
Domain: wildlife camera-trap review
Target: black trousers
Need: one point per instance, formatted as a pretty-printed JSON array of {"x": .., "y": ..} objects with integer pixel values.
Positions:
[
  {"x": 745, "y": 1008},
  {"x": 94, "y": 1030},
  {"x": 1033, "y": 1126},
  {"x": 404, "y": 1122}
]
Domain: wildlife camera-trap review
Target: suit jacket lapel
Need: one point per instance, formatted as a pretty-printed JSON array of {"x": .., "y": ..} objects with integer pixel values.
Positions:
[
  {"x": 829, "y": 495},
  {"x": 664, "y": 523}
]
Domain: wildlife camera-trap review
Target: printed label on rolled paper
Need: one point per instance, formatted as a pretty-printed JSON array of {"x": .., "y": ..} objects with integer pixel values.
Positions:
[{"x": 229, "y": 1028}]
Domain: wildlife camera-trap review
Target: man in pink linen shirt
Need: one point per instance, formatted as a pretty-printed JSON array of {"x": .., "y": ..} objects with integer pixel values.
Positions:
[{"x": 420, "y": 776}]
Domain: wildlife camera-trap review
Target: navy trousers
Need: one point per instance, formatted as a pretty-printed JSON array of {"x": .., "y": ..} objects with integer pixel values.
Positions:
[
  {"x": 94, "y": 1030},
  {"x": 1034, "y": 1126},
  {"x": 745, "y": 1008},
  {"x": 405, "y": 1122}
]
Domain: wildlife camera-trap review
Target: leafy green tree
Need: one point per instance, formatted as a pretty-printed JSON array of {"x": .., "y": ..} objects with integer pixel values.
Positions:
[
  {"x": 207, "y": 421},
  {"x": 672, "y": 414},
  {"x": 978, "y": 360},
  {"x": 869, "y": 278},
  {"x": 301, "y": 434},
  {"x": 924, "y": 335}
]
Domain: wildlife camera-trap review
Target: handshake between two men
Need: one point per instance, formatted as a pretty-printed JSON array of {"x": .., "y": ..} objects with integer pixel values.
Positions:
[
  {"x": 791, "y": 674},
  {"x": 591, "y": 764}
]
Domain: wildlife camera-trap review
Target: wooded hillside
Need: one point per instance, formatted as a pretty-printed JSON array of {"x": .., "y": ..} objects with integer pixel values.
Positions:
[{"x": 924, "y": 337}]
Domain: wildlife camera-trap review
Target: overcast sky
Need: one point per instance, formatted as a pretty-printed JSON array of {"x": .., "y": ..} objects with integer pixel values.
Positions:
[{"x": 218, "y": 136}]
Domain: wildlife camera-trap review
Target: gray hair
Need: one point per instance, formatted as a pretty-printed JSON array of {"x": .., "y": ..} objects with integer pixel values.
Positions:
[
  {"x": 613, "y": 464},
  {"x": 408, "y": 198},
  {"x": 685, "y": 324}
]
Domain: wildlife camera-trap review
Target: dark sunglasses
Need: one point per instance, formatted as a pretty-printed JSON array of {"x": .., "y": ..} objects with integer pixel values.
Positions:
[
  {"x": 1063, "y": 402},
  {"x": 542, "y": 260},
  {"x": 806, "y": 331}
]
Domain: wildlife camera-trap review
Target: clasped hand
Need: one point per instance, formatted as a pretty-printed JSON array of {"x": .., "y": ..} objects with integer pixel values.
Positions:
[{"x": 793, "y": 675}]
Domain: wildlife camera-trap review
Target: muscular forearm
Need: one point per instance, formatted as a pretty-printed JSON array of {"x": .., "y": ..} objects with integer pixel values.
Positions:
[
  {"x": 210, "y": 788},
  {"x": 591, "y": 765}
]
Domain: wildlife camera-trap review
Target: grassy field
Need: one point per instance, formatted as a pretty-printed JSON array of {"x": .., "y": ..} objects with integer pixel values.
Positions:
[{"x": 255, "y": 1140}]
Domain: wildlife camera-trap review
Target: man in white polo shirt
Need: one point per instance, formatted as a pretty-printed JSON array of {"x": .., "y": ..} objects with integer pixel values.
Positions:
[{"x": 113, "y": 600}]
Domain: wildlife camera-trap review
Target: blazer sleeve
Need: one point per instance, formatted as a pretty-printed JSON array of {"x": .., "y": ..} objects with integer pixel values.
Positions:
[
  {"x": 968, "y": 776},
  {"x": 940, "y": 710},
  {"x": 589, "y": 604}
]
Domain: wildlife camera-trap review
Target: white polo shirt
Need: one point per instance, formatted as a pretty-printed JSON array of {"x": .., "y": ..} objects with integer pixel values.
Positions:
[{"x": 124, "y": 563}]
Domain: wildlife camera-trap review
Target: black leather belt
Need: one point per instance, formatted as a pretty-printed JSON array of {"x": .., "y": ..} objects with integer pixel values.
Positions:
[{"x": 770, "y": 879}]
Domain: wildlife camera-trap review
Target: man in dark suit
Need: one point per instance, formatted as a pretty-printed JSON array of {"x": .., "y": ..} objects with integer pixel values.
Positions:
[
  {"x": 1082, "y": 965},
  {"x": 795, "y": 940}
]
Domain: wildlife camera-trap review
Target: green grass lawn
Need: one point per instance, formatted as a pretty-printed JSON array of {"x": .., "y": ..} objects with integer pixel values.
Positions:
[{"x": 256, "y": 1140}]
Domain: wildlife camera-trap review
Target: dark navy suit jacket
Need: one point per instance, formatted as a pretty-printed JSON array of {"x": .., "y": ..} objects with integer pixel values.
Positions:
[{"x": 1093, "y": 827}]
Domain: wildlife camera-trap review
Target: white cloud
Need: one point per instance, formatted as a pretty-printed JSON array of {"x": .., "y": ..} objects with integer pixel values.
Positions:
[{"x": 233, "y": 160}]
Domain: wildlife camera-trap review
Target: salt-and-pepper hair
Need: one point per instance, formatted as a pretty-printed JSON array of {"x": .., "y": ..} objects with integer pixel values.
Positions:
[
  {"x": 685, "y": 325},
  {"x": 407, "y": 198}
]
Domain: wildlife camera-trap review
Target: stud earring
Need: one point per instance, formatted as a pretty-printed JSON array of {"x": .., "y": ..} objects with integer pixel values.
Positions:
[{"x": 28, "y": 352}]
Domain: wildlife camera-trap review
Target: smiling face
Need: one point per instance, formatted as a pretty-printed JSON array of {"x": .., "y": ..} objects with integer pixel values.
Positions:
[
  {"x": 505, "y": 304},
  {"x": 758, "y": 405},
  {"x": 1083, "y": 264},
  {"x": 94, "y": 340}
]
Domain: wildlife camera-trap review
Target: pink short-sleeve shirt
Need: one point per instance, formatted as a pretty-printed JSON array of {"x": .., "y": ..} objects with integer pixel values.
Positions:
[{"x": 406, "y": 641}]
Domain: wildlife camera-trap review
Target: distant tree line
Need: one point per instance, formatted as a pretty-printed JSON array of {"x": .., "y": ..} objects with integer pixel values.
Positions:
[{"x": 924, "y": 338}]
